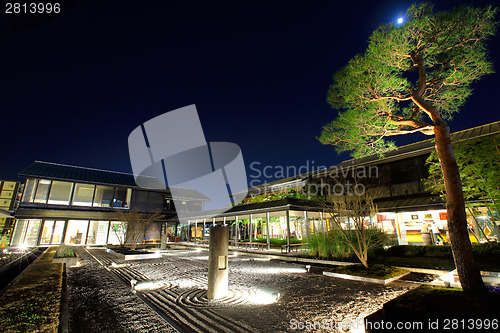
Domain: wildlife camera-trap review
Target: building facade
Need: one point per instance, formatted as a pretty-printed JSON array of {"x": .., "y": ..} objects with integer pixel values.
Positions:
[{"x": 75, "y": 205}]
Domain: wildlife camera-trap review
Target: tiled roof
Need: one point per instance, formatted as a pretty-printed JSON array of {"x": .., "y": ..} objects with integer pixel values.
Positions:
[{"x": 63, "y": 172}]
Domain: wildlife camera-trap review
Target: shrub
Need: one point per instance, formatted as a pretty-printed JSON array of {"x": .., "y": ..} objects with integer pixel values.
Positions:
[
  {"x": 275, "y": 242},
  {"x": 332, "y": 245},
  {"x": 492, "y": 249}
]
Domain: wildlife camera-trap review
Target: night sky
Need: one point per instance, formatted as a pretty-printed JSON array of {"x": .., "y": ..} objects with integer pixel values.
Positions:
[{"x": 74, "y": 85}]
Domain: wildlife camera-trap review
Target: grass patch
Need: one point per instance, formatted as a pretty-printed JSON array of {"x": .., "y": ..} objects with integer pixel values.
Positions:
[
  {"x": 32, "y": 303},
  {"x": 64, "y": 251},
  {"x": 375, "y": 271}
]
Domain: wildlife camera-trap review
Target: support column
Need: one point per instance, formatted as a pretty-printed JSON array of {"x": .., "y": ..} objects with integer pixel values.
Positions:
[
  {"x": 203, "y": 231},
  {"x": 237, "y": 233},
  {"x": 322, "y": 222},
  {"x": 288, "y": 232},
  {"x": 225, "y": 224},
  {"x": 267, "y": 231},
  {"x": 251, "y": 228},
  {"x": 218, "y": 263},
  {"x": 195, "y": 230},
  {"x": 308, "y": 226}
]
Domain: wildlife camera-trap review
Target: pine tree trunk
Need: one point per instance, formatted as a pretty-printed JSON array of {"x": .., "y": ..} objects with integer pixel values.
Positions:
[{"x": 468, "y": 271}]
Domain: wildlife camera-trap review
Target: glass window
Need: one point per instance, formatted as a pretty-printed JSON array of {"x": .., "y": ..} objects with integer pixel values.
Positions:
[
  {"x": 29, "y": 190},
  {"x": 122, "y": 197},
  {"x": 98, "y": 232},
  {"x": 60, "y": 193},
  {"x": 140, "y": 200},
  {"x": 41, "y": 191},
  {"x": 76, "y": 233},
  {"x": 48, "y": 226},
  {"x": 83, "y": 195},
  {"x": 103, "y": 196},
  {"x": 116, "y": 233},
  {"x": 156, "y": 201},
  {"x": 58, "y": 232}
]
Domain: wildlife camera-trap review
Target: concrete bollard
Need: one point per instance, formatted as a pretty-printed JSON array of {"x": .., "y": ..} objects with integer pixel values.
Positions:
[{"x": 218, "y": 263}]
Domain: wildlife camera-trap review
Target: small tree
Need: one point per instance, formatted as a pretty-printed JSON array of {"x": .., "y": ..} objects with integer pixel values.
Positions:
[
  {"x": 413, "y": 78},
  {"x": 350, "y": 209},
  {"x": 131, "y": 226}
]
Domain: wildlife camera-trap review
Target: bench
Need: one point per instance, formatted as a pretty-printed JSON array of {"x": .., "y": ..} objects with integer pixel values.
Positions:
[
  {"x": 289, "y": 248},
  {"x": 150, "y": 241}
]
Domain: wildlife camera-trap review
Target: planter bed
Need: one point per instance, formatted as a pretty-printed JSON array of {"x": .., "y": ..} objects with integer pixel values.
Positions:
[
  {"x": 69, "y": 261},
  {"x": 367, "y": 279}
]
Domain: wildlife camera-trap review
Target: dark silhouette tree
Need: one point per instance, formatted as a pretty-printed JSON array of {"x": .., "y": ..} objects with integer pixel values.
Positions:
[{"x": 413, "y": 78}]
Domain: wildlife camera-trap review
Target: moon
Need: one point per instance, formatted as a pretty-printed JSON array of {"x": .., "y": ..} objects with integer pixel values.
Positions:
[{"x": 400, "y": 20}]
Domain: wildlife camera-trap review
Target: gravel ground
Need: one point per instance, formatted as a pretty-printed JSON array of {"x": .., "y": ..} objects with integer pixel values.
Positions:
[
  {"x": 7, "y": 256},
  {"x": 304, "y": 296},
  {"x": 98, "y": 301}
]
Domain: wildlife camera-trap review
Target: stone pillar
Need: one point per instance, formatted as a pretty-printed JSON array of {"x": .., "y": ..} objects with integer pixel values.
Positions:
[{"x": 217, "y": 263}]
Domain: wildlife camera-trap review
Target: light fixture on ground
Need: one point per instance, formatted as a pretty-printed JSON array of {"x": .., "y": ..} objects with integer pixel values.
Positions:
[{"x": 217, "y": 263}]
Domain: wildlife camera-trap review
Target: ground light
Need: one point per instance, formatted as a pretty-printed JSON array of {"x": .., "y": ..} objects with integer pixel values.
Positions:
[{"x": 260, "y": 297}]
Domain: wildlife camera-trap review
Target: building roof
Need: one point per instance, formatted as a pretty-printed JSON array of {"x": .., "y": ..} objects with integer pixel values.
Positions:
[
  {"x": 70, "y": 173},
  {"x": 425, "y": 146},
  {"x": 55, "y": 171},
  {"x": 410, "y": 150}
]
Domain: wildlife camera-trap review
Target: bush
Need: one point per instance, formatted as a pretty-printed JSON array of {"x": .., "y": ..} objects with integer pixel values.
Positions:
[
  {"x": 492, "y": 249},
  {"x": 275, "y": 242},
  {"x": 332, "y": 245},
  {"x": 418, "y": 251},
  {"x": 64, "y": 251}
]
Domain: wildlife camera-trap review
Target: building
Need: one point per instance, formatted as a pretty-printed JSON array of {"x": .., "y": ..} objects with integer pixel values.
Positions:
[
  {"x": 9, "y": 195},
  {"x": 75, "y": 205},
  {"x": 403, "y": 200}
]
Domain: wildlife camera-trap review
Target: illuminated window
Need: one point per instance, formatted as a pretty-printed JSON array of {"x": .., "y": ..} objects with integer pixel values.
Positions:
[
  {"x": 77, "y": 231},
  {"x": 60, "y": 193},
  {"x": 103, "y": 196},
  {"x": 83, "y": 195}
]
